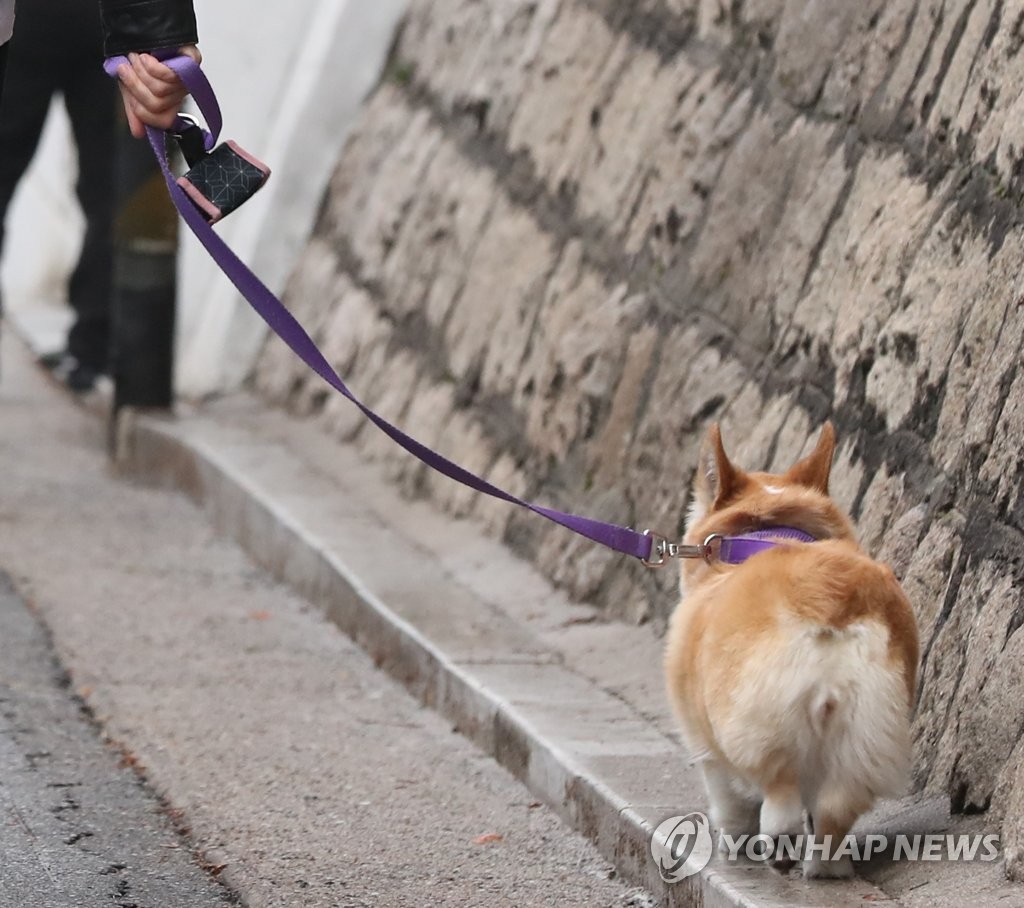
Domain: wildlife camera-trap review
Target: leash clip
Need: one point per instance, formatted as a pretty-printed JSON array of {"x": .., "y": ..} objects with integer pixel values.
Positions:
[{"x": 662, "y": 549}]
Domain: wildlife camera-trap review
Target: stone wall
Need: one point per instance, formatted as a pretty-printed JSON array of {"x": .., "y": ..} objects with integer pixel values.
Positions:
[{"x": 567, "y": 234}]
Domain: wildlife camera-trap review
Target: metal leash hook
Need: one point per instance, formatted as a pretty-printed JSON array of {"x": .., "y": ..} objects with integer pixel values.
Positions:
[{"x": 662, "y": 549}]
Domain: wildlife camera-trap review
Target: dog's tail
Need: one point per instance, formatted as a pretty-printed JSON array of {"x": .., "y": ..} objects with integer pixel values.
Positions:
[
  {"x": 859, "y": 658},
  {"x": 822, "y": 707},
  {"x": 828, "y": 679}
]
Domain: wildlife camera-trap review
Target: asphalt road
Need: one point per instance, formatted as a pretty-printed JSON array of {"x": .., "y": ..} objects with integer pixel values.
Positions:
[{"x": 77, "y": 829}]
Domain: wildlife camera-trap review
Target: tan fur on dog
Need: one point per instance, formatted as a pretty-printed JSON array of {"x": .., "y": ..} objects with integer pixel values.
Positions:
[{"x": 794, "y": 673}]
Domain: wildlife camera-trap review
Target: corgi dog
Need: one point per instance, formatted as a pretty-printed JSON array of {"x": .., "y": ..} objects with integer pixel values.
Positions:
[{"x": 793, "y": 672}]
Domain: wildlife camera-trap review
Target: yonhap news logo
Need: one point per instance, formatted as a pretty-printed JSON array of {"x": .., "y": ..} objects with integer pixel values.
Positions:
[{"x": 683, "y": 846}]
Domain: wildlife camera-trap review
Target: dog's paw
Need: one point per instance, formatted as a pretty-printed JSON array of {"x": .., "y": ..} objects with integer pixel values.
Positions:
[
  {"x": 818, "y": 869},
  {"x": 732, "y": 840}
]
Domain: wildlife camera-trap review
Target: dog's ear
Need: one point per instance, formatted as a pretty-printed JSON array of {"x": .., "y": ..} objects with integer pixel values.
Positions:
[
  {"x": 813, "y": 471},
  {"x": 716, "y": 478}
]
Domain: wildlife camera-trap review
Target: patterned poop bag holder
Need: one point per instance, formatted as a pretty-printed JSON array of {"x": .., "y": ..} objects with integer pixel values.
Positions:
[{"x": 218, "y": 181}]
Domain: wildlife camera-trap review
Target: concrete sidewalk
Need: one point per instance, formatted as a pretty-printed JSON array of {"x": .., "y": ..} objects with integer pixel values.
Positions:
[{"x": 571, "y": 705}]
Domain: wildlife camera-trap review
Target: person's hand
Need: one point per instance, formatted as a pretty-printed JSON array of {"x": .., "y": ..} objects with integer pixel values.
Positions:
[{"x": 152, "y": 93}]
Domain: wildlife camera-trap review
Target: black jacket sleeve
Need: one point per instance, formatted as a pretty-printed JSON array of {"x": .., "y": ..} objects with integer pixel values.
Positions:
[{"x": 146, "y": 25}]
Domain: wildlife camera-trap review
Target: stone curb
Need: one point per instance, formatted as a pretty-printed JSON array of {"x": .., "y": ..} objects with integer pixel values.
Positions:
[{"x": 581, "y": 750}]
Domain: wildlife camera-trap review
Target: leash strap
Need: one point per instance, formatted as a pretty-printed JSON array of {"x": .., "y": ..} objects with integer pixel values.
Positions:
[{"x": 284, "y": 324}]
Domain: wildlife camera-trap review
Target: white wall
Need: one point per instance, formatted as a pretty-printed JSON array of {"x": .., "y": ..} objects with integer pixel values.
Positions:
[
  {"x": 290, "y": 89},
  {"x": 44, "y": 234}
]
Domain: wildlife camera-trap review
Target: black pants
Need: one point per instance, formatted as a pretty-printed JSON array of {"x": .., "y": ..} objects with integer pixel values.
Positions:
[
  {"x": 57, "y": 48},
  {"x": 3, "y": 67}
]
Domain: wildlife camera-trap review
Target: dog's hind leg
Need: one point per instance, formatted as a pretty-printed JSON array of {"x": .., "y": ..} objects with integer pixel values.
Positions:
[
  {"x": 732, "y": 813},
  {"x": 829, "y": 824},
  {"x": 782, "y": 818}
]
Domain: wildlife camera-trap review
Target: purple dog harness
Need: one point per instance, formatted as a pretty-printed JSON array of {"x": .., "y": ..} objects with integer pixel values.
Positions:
[{"x": 219, "y": 180}]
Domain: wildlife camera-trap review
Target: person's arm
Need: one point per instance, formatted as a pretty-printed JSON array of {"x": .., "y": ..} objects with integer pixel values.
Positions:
[
  {"x": 152, "y": 93},
  {"x": 147, "y": 25}
]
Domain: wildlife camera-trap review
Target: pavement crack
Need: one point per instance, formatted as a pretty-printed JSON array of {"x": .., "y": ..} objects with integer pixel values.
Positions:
[
  {"x": 65, "y": 805},
  {"x": 121, "y": 892}
]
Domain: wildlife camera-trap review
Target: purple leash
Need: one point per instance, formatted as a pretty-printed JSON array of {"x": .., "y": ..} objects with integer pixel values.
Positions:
[
  {"x": 283, "y": 323},
  {"x": 651, "y": 548}
]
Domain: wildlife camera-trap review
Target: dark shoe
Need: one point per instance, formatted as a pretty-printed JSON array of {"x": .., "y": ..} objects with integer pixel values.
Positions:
[
  {"x": 66, "y": 368},
  {"x": 53, "y": 360},
  {"x": 81, "y": 379}
]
